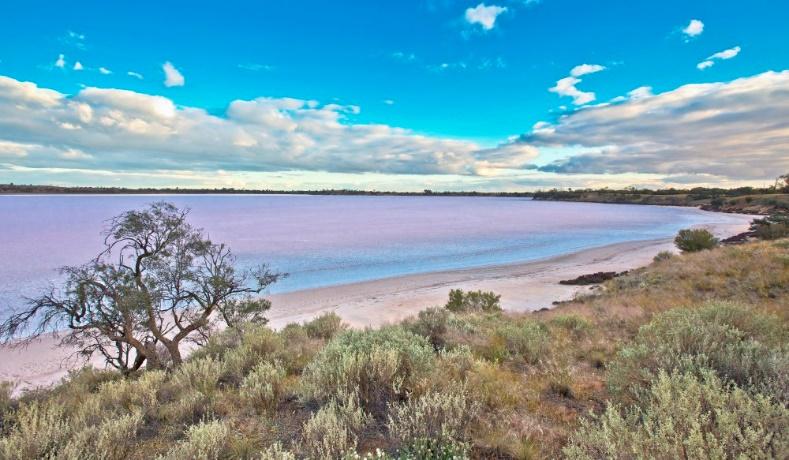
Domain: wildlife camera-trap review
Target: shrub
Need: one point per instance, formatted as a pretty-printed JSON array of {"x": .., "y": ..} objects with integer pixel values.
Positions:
[
  {"x": 576, "y": 325},
  {"x": 277, "y": 452},
  {"x": 473, "y": 301},
  {"x": 114, "y": 439},
  {"x": 38, "y": 430},
  {"x": 687, "y": 417},
  {"x": 432, "y": 449},
  {"x": 6, "y": 390},
  {"x": 200, "y": 374},
  {"x": 334, "y": 429},
  {"x": 740, "y": 345},
  {"x": 206, "y": 441},
  {"x": 772, "y": 227},
  {"x": 528, "y": 341},
  {"x": 440, "y": 415},
  {"x": 130, "y": 395},
  {"x": 694, "y": 240},
  {"x": 324, "y": 326},
  {"x": 431, "y": 324},
  {"x": 263, "y": 386},
  {"x": 663, "y": 255},
  {"x": 378, "y": 365}
]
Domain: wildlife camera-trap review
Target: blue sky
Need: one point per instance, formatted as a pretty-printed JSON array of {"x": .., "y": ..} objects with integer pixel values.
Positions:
[{"x": 463, "y": 79}]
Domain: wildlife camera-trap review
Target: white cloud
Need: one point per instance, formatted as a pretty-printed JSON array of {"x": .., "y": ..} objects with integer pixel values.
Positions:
[
  {"x": 704, "y": 65},
  {"x": 694, "y": 28},
  {"x": 78, "y": 66},
  {"x": 135, "y": 75},
  {"x": 484, "y": 15},
  {"x": 585, "y": 69},
  {"x": 726, "y": 54},
  {"x": 568, "y": 86},
  {"x": 388, "y": 101},
  {"x": 736, "y": 130},
  {"x": 719, "y": 56},
  {"x": 61, "y": 61},
  {"x": 125, "y": 130},
  {"x": 172, "y": 77},
  {"x": 104, "y": 71}
]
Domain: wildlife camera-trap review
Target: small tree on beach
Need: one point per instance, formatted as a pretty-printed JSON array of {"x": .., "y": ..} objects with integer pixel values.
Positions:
[{"x": 158, "y": 283}]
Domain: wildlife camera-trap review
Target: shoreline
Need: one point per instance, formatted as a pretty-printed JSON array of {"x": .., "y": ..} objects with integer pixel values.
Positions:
[{"x": 524, "y": 287}]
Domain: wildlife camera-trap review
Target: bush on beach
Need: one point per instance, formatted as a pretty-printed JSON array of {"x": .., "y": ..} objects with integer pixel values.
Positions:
[
  {"x": 460, "y": 301},
  {"x": 694, "y": 240}
]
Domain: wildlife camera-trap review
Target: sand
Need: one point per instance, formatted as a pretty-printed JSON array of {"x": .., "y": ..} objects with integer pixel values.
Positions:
[{"x": 523, "y": 287}]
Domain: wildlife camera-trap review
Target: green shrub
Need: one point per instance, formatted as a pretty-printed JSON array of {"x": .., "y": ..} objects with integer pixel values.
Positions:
[
  {"x": 378, "y": 365},
  {"x": 114, "y": 439},
  {"x": 663, "y": 255},
  {"x": 262, "y": 388},
  {"x": 460, "y": 301},
  {"x": 200, "y": 374},
  {"x": 130, "y": 394},
  {"x": 431, "y": 324},
  {"x": 528, "y": 341},
  {"x": 334, "y": 430},
  {"x": 38, "y": 430},
  {"x": 324, "y": 326},
  {"x": 694, "y": 240},
  {"x": 441, "y": 415},
  {"x": 687, "y": 417},
  {"x": 740, "y": 345},
  {"x": 206, "y": 441},
  {"x": 771, "y": 227},
  {"x": 576, "y": 325}
]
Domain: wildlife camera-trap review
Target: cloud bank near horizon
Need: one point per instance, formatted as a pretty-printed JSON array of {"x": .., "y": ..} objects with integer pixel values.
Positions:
[{"x": 718, "y": 133}]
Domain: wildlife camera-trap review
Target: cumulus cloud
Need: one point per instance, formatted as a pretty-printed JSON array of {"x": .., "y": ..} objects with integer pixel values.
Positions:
[
  {"x": 104, "y": 71},
  {"x": 736, "y": 130},
  {"x": 136, "y": 75},
  {"x": 484, "y": 15},
  {"x": 719, "y": 56},
  {"x": 112, "y": 129},
  {"x": 694, "y": 28},
  {"x": 568, "y": 86},
  {"x": 77, "y": 66},
  {"x": 61, "y": 61},
  {"x": 172, "y": 77}
]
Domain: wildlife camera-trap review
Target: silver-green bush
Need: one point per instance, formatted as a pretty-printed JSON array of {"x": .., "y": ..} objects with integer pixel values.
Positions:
[
  {"x": 262, "y": 387},
  {"x": 377, "y": 365},
  {"x": 687, "y": 417},
  {"x": 206, "y": 441},
  {"x": 334, "y": 430},
  {"x": 740, "y": 345}
]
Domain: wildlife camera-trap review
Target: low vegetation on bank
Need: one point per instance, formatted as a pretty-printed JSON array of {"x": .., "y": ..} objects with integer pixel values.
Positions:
[
  {"x": 685, "y": 358},
  {"x": 744, "y": 200}
]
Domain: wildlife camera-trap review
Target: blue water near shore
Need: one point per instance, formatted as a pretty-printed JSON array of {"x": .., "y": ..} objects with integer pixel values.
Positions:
[{"x": 327, "y": 240}]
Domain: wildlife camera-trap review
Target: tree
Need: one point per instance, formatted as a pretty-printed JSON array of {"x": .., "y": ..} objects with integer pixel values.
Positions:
[{"x": 158, "y": 283}]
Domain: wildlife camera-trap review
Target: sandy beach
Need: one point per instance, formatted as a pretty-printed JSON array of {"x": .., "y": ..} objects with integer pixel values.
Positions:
[{"x": 523, "y": 287}]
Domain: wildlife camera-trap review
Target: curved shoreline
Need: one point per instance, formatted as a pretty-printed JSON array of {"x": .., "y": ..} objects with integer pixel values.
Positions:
[{"x": 526, "y": 286}]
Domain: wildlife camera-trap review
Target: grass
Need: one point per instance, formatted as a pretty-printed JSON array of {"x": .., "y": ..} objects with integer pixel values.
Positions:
[{"x": 641, "y": 364}]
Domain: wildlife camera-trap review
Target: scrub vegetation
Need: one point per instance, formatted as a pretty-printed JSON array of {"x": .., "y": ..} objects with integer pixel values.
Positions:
[{"x": 685, "y": 358}]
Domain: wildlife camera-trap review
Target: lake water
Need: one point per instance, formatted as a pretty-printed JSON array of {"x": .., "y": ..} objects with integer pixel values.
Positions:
[{"x": 325, "y": 240}]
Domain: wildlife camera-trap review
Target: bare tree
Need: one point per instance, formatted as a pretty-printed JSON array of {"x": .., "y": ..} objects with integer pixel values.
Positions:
[{"x": 158, "y": 283}]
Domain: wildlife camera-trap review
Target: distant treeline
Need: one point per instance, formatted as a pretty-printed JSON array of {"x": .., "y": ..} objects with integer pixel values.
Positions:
[{"x": 55, "y": 189}]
